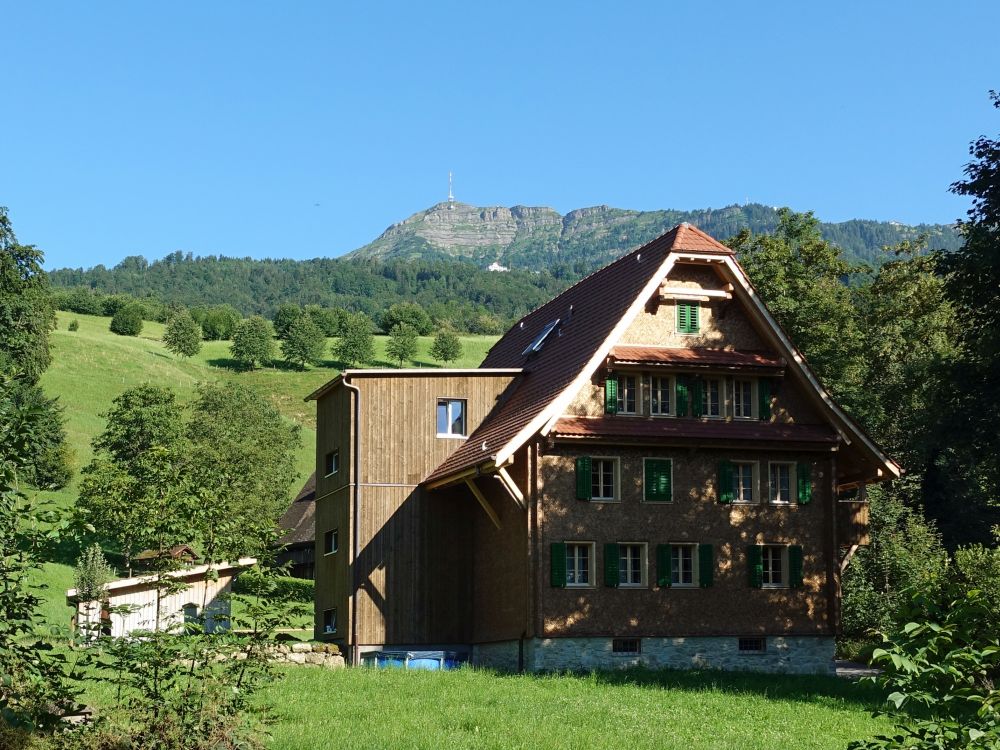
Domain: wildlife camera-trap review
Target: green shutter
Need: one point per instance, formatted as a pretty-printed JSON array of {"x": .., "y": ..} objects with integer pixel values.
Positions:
[
  {"x": 706, "y": 565},
  {"x": 583, "y": 478},
  {"x": 803, "y": 474},
  {"x": 611, "y": 564},
  {"x": 681, "y": 383},
  {"x": 693, "y": 325},
  {"x": 697, "y": 387},
  {"x": 755, "y": 563},
  {"x": 558, "y": 563},
  {"x": 725, "y": 489},
  {"x": 683, "y": 321},
  {"x": 795, "y": 566},
  {"x": 611, "y": 394},
  {"x": 764, "y": 399},
  {"x": 656, "y": 486},
  {"x": 664, "y": 563}
]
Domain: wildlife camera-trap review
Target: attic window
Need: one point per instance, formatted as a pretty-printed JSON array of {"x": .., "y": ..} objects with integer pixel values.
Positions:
[{"x": 535, "y": 345}]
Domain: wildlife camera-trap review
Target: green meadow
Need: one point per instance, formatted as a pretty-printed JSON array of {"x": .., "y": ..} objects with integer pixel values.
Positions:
[{"x": 91, "y": 366}]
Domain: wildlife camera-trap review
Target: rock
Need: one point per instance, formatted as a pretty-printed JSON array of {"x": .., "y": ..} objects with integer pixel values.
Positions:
[
  {"x": 334, "y": 661},
  {"x": 296, "y": 658},
  {"x": 319, "y": 648},
  {"x": 315, "y": 658},
  {"x": 301, "y": 648}
]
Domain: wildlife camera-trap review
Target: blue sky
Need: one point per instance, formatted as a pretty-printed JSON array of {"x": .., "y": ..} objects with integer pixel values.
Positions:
[{"x": 304, "y": 129}]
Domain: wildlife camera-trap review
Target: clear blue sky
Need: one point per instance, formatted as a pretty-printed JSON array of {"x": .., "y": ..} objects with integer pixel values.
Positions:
[{"x": 217, "y": 127}]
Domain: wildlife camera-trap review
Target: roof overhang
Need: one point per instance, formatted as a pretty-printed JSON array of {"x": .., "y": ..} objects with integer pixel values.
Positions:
[{"x": 412, "y": 372}]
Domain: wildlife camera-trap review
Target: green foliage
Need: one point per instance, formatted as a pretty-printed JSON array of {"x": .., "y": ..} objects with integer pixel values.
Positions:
[
  {"x": 329, "y": 321},
  {"x": 218, "y": 322},
  {"x": 92, "y": 575},
  {"x": 49, "y": 466},
  {"x": 26, "y": 312},
  {"x": 978, "y": 567},
  {"x": 402, "y": 342},
  {"x": 182, "y": 335},
  {"x": 941, "y": 671},
  {"x": 304, "y": 342},
  {"x": 356, "y": 344},
  {"x": 286, "y": 314},
  {"x": 127, "y": 321},
  {"x": 74, "y": 325},
  {"x": 256, "y": 580},
  {"x": 253, "y": 343},
  {"x": 408, "y": 313},
  {"x": 447, "y": 347}
]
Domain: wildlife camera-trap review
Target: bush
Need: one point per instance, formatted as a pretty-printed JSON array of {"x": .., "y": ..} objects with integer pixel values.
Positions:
[
  {"x": 220, "y": 322},
  {"x": 74, "y": 325},
  {"x": 283, "y": 588},
  {"x": 407, "y": 313},
  {"x": 127, "y": 321}
]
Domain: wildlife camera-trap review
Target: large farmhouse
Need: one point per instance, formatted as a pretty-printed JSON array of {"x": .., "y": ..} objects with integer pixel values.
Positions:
[{"x": 642, "y": 471}]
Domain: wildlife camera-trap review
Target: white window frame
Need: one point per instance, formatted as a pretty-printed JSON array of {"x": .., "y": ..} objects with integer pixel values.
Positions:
[
  {"x": 333, "y": 630},
  {"x": 754, "y": 482},
  {"x": 791, "y": 483},
  {"x": 643, "y": 565},
  {"x": 706, "y": 401},
  {"x": 753, "y": 398},
  {"x": 637, "y": 393},
  {"x": 591, "y": 548},
  {"x": 657, "y": 458},
  {"x": 333, "y": 534},
  {"x": 672, "y": 397},
  {"x": 449, "y": 400},
  {"x": 693, "y": 546},
  {"x": 782, "y": 560},
  {"x": 332, "y": 458},
  {"x": 615, "y": 479}
]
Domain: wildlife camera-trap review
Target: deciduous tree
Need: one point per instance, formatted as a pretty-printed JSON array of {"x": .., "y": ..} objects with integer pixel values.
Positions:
[
  {"x": 182, "y": 335},
  {"x": 447, "y": 347},
  {"x": 128, "y": 320},
  {"x": 356, "y": 344},
  {"x": 304, "y": 343},
  {"x": 253, "y": 343},
  {"x": 402, "y": 344}
]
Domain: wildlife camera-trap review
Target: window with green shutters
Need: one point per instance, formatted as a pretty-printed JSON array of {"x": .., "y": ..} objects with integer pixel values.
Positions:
[
  {"x": 795, "y": 566},
  {"x": 803, "y": 474},
  {"x": 611, "y": 394},
  {"x": 724, "y": 488},
  {"x": 755, "y": 565},
  {"x": 706, "y": 565},
  {"x": 657, "y": 480},
  {"x": 584, "y": 465},
  {"x": 611, "y": 553},
  {"x": 557, "y": 558},
  {"x": 687, "y": 317}
]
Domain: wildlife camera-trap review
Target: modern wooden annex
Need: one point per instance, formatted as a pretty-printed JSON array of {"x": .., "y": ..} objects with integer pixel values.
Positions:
[{"x": 643, "y": 471}]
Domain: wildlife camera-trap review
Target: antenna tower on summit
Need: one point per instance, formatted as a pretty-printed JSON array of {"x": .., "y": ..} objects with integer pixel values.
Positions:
[{"x": 451, "y": 195}]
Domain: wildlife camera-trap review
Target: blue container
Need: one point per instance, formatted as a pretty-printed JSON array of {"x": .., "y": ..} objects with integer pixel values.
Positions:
[{"x": 425, "y": 660}]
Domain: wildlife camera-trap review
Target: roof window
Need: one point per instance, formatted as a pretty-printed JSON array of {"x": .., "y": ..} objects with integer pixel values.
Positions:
[{"x": 536, "y": 345}]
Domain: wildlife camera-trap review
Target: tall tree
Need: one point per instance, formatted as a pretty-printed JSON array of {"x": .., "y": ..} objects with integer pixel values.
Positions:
[
  {"x": 182, "y": 335},
  {"x": 304, "y": 342},
  {"x": 356, "y": 343},
  {"x": 402, "y": 344},
  {"x": 26, "y": 312},
  {"x": 409, "y": 313},
  {"x": 253, "y": 343},
  {"x": 286, "y": 314}
]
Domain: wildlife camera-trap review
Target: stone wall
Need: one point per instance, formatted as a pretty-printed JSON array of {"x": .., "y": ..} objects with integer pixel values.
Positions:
[
  {"x": 317, "y": 654},
  {"x": 502, "y": 656},
  {"x": 782, "y": 654}
]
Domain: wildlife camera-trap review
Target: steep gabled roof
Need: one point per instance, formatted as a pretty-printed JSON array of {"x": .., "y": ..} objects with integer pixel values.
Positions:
[
  {"x": 590, "y": 313},
  {"x": 299, "y": 521},
  {"x": 589, "y": 318}
]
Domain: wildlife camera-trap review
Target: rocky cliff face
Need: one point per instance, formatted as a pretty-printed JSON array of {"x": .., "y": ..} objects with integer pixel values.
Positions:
[{"x": 535, "y": 238}]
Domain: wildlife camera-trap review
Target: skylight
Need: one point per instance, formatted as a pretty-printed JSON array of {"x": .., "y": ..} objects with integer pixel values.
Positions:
[{"x": 535, "y": 345}]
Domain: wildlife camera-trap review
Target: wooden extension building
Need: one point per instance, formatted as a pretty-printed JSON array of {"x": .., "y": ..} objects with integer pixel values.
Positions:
[{"x": 643, "y": 471}]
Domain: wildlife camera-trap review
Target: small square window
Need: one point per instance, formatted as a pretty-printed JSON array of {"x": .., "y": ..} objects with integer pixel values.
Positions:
[
  {"x": 626, "y": 646},
  {"x": 579, "y": 559},
  {"x": 332, "y": 463},
  {"x": 631, "y": 564},
  {"x": 331, "y": 541},
  {"x": 451, "y": 417},
  {"x": 329, "y": 621},
  {"x": 752, "y": 645}
]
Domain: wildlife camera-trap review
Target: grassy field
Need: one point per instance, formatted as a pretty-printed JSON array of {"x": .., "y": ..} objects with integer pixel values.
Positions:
[
  {"x": 91, "y": 366},
  {"x": 361, "y": 708}
]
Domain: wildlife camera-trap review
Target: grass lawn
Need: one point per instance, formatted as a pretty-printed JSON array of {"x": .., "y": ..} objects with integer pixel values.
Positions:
[
  {"x": 362, "y": 708},
  {"x": 91, "y": 366}
]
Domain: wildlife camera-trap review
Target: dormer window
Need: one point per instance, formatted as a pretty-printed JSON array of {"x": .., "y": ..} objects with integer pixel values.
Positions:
[{"x": 535, "y": 345}]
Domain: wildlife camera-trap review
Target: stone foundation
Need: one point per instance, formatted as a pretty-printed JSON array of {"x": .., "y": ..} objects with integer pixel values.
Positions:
[{"x": 781, "y": 655}]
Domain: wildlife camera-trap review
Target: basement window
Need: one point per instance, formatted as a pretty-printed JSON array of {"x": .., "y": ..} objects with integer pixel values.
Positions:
[
  {"x": 535, "y": 345},
  {"x": 626, "y": 646},
  {"x": 752, "y": 645}
]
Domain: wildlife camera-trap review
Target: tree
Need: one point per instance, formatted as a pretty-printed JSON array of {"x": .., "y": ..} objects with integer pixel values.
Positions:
[
  {"x": 26, "y": 308},
  {"x": 402, "y": 342},
  {"x": 183, "y": 335},
  {"x": 409, "y": 313},
  {"x": 356, "y": 344},
  {"x": 90, "y": 579},
  {"x": 327, "y": 319},
  {"x": 50, "y": 464},
  {"x": 253, "y": 343},
  {"x": 447, "y": 347},
  {"x": 304, "y": 343},
  {"x": 220, "y": 322},
  {"x": 284, "y": 316},
  {"x": 128, "y": 320}
]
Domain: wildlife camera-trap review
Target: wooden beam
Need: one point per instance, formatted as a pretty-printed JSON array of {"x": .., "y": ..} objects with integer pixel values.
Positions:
[
  {"x": 847, "y": 558},
  {"x": 512, "y": 488},
  {"x": 461, "y": 476},
  {"x": 684, "y": 292},
  {"x": 471, "y": 484}
]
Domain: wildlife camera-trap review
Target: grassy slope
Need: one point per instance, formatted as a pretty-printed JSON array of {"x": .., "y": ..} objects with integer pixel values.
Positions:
[
  {"x": 92, "y": 366},
  {"x": 317, "y": 708}
]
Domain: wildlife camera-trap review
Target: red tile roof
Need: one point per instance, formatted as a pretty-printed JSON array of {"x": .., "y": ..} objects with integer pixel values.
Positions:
[
  {"x": 587, "y": 312},
  {"x": 665, "y": 429},
  {"x": 696, "y": 357}
]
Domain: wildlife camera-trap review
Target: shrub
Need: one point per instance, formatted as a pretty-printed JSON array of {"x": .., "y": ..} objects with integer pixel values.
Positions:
[
  {"x": 74, "y": 325},
  {"x": 220, "y": 322},
  {"x": 127, "y": 321},
  {"x": 408, "y": 313},
  {"x": 281, "y": 588}
]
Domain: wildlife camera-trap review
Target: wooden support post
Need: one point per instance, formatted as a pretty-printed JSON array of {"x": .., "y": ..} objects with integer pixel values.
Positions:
[
  {"x": 847, "y": 558},
  {"x": 471, "y": 484},
  {"x": 512, "y": 488}
]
